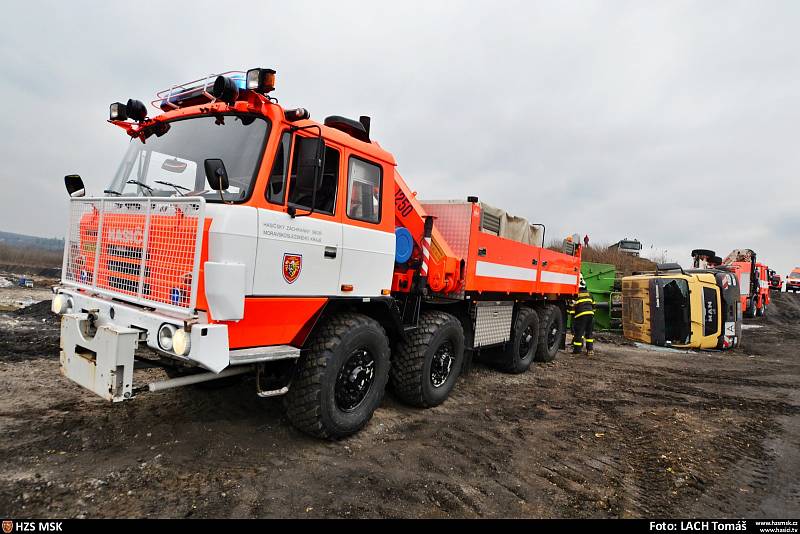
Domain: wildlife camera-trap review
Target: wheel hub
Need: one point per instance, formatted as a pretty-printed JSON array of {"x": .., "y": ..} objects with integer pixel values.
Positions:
[
  {"x": 552, "y": 337},
  {"x": 354, "y": 380},
  {"x": 525, "y": 342},
  {"x": 441, "y": 364}
]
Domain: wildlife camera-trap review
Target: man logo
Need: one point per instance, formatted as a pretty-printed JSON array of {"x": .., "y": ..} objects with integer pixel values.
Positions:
[
  {"x": 8, "y": 526},
  {"x": 292, "y": 265}
]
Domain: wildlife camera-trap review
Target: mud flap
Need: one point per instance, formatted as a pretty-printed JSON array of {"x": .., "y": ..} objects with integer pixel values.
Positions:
[{"x": 101, "y": 359}]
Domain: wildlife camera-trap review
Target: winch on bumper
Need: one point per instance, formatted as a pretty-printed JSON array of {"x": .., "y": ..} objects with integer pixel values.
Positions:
[{"x": 99, "y": 339}]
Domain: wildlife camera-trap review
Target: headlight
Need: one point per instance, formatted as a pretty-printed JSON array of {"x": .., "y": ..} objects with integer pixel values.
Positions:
[
  {"x": 61, "y": 304},
  {"x": 181, "y": 342},
  {"x": 165, "y": 335}
]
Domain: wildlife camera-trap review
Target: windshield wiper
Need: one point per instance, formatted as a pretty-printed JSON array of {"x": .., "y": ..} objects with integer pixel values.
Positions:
[
  {"x": 176, "y": 186},
  {"x": 141, "y": 184},
  {"x": 112, "y": 192}
]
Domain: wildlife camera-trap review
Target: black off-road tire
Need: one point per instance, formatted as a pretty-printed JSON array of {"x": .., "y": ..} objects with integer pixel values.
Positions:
[
  {"x": 750, "y": 312},
  {"x": 550, "y": 320},
  {"x": 411, "y": 379},
  {"x": 311, "y": 404},
  {"x": 512, "y": 360}
]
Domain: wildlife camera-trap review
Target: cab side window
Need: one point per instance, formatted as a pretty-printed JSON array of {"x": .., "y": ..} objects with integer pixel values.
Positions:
[
  {"x": 276, "y": 188},
  {"x": 364, "y": 188},
  {"x": 301, "y": 192}
]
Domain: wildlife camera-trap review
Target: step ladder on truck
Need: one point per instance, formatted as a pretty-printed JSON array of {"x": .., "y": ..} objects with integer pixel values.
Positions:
[{"x": 239, "y": 237}]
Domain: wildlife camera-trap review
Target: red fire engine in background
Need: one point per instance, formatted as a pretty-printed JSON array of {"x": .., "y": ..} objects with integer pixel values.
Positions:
[{"x": 751, "y": 275}]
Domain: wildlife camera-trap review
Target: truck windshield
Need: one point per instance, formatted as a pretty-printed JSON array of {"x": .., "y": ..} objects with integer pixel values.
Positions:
[
  {"x": 677, "y": 321},
  {"x": 173, "y": 164},
  {"x": 794, "y": 274}
]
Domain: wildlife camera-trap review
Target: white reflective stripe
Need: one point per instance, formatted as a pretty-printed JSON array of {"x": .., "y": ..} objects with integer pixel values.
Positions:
[
  {"x": 498, "y": 270},
  {"x": 558, "y": 278},
  {"x": 426, "y": 255}
]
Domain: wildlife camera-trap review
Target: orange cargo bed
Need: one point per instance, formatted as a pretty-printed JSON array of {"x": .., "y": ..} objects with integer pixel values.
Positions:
[{"x": 496, "y": 264}]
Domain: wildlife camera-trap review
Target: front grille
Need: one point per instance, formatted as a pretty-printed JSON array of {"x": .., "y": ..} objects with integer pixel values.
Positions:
[
  {"x": 167, "y": 233},
  {"x": 125, "y": 267},
  {"x": 123, "y": 284},
  {"x": 130, "y": 253}
]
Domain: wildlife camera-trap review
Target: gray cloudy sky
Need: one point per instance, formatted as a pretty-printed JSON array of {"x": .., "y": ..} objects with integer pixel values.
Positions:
[{"x": 674, "y": 122}]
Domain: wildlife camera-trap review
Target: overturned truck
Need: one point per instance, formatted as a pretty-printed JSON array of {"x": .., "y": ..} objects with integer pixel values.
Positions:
[{"x": 696, "y": 308}]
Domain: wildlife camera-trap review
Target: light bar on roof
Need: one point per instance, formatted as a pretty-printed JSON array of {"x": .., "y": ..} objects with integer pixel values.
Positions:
[{"x": 195, "y": 91}]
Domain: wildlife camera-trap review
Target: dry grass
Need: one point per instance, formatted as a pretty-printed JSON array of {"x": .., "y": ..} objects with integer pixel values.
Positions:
[
  {"x": 601, "y": 253},
  {"x": 29, "y": 257}
]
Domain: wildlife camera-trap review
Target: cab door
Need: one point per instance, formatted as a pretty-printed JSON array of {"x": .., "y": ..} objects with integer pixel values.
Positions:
[
  {"x": 300, "y": 255},
  {"x": 368, "y": 239}
]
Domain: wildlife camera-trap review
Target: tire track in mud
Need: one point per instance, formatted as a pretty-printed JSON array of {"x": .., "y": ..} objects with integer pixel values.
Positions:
[{"x": 627, "y": 433}]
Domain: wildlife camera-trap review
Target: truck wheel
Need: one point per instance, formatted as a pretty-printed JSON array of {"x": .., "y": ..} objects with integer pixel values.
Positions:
[
  {"x": 551, "y": 332},
  {"x": 521, "y": 350},
  {"x": 428, "y": 361},
  {"x": 340, "y": 378},
  {"x": 750, "y": 313}
]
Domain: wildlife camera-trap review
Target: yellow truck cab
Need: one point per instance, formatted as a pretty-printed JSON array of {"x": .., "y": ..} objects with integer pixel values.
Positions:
[{"x": 698, "y": 308}]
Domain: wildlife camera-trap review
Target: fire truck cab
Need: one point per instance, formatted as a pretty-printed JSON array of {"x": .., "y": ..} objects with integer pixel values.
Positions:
[
  {"x": 793, "y": 280},
  {"x": 241, "y": 237}
]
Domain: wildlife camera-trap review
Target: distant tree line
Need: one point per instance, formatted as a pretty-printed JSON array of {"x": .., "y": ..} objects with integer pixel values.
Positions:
[{"x": 28, "y": 256}]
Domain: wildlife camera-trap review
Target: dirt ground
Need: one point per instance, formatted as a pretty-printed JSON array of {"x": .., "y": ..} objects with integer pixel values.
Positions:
[{"x": 629, "y": 433}]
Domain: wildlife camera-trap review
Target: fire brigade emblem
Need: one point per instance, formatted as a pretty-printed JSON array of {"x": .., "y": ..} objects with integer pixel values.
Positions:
[
  {"x": 292, "y": 265},
  {"x": 8, "y": 526}
]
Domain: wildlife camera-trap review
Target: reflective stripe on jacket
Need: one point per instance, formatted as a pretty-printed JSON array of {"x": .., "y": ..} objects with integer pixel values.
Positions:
[{"x": 583, "y": 305}]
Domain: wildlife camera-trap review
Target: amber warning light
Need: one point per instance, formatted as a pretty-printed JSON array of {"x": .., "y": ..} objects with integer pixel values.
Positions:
[{"x": 260, "y": 80}]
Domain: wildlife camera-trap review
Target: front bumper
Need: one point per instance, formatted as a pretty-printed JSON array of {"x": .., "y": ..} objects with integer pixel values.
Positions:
[
  {"x": 98, "y": 358},
  {"x": 100, "y": 337},
  {"x": 209, "y": 342}
]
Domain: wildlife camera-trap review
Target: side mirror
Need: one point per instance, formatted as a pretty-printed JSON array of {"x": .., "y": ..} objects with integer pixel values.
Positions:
[
  {"x": 216, "y": 174},
  {"x": 309, "y": 154},
  {"x": 74, "y": 184},
  {"x": 309, "y": 167}
]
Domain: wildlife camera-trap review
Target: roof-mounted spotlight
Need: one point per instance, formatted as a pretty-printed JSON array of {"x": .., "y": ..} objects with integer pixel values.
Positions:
[
  {"x": 225, "y": 89},
  {"x": 117, "y": 112},
  {"x": 261, "y": 80},
  {"x": 297, "y": 114},
  {"x": 134, "y": 110}
]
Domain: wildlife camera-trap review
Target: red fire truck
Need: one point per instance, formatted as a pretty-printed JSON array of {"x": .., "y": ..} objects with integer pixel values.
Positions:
[
  {"x": 793, "y": 280},
  {"x": 775, "y": 281},
  {"x": 753, "y": 281},
  {"x": 752, "y": 277},
  {"x": 241, "y": 237}
]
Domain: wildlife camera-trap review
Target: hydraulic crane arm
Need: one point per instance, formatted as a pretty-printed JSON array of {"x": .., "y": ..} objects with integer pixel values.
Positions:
[{"x": 443, "y": 268}]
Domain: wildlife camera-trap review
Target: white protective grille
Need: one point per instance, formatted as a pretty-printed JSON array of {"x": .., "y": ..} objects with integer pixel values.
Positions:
[{"x": 140, "y": 250}]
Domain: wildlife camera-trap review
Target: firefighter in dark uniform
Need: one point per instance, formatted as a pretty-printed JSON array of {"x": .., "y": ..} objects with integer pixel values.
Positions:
[{"x": 582, "y": 312}]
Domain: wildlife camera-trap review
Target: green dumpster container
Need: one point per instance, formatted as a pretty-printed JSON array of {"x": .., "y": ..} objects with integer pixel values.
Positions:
[{"x": 604, "y": 286}]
